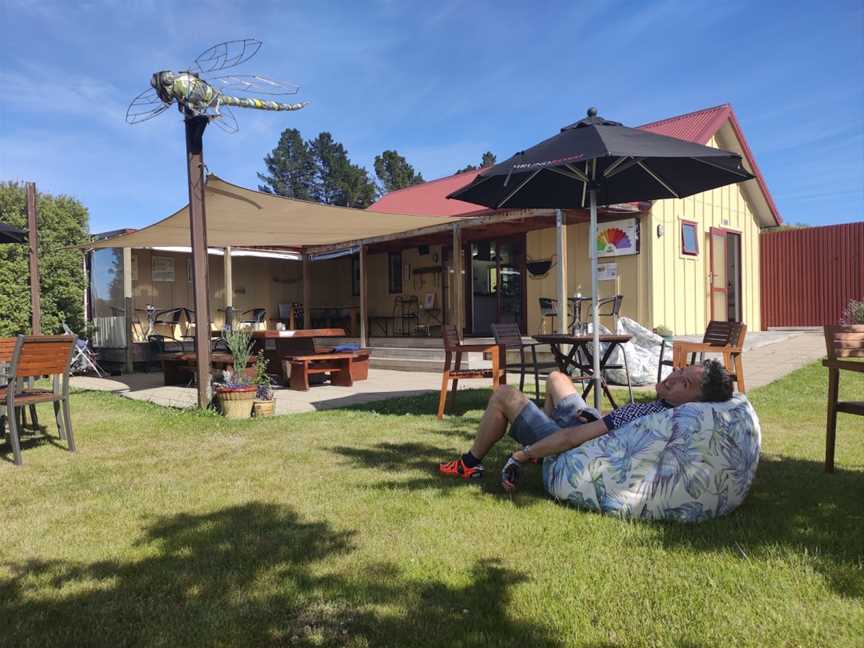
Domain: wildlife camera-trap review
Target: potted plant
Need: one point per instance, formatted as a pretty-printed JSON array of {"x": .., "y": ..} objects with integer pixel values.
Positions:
[
  {"x": 664, "y": 333},
  {"x": 263, "y": 405},
  {"x": 237, "y": 393}
]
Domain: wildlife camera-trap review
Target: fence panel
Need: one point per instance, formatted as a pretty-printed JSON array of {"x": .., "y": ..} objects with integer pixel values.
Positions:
[{"x": 809, "y": 275}]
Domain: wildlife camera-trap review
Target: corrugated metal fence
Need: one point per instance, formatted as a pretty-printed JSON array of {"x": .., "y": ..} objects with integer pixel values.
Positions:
[{"x": 809, "y": 275}]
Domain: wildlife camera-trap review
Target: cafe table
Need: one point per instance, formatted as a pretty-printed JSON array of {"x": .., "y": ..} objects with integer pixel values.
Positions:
[{"x": 579, "y": 359}]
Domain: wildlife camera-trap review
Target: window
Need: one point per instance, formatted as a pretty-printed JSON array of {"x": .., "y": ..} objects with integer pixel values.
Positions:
[
  {"x": 394, "y": 274},
  {"x": 689, "y": 238}
]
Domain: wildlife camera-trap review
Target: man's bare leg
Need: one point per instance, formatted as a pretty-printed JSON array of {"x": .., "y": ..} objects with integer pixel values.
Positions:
[
  {"x": 558, "y": 386},
  {"x": 504, "y": 406}
]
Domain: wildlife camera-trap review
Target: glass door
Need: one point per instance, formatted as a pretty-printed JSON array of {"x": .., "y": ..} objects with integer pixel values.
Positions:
[
  {"x": 497, "y": 286},
  {"x": 725, "y": 277}
]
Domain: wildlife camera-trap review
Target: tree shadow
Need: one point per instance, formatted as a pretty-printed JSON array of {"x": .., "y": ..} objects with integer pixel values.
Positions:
[
  {"x": 792, "y": 503},
  {"x": 397, "y": 459},
  {"x": 253, "y": 574},
  {"x": 427, "y": 404}
]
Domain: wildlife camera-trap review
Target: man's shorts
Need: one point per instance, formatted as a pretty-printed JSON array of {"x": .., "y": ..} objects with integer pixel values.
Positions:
[{"x": 534, "y": 424}]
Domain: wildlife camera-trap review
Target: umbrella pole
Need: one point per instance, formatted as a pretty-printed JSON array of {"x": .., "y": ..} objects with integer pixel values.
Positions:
[{"x": 595, "y": 319}]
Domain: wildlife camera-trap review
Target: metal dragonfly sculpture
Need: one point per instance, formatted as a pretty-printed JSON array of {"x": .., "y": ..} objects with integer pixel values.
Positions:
[
  {"x": 195, "y": 95},
  {"x": 202, "y": 100}
]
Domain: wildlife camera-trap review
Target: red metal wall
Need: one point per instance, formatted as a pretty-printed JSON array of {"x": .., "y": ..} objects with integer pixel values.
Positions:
[{"x": 808, "y": 275}]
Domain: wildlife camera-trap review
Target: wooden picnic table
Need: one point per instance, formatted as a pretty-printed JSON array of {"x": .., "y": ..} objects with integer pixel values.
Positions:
[
  {"x": 281, "y": 346},
  {"x": 581, "y": 359},
  {"x": 179, "y": 368}
]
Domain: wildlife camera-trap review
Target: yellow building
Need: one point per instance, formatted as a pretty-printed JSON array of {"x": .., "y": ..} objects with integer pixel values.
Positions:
[{"x": 696, "y": 259}]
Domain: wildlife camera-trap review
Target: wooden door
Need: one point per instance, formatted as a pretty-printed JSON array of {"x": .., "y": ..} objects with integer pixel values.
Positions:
[{"x": 725, "y": 276}]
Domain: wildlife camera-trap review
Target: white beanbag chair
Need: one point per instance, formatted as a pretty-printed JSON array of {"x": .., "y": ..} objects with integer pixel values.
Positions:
[{"x": 691, "y": 463}]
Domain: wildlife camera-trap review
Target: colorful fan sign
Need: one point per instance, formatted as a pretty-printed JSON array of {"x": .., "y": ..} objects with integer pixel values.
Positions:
[{"x": 617, "y": 238}]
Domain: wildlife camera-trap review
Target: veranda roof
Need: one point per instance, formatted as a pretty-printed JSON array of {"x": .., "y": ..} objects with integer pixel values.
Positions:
[{"x": 237, "y": 216}]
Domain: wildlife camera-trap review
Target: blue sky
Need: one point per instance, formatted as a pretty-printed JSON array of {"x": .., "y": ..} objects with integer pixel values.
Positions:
[{"x": 441, "y": 82}]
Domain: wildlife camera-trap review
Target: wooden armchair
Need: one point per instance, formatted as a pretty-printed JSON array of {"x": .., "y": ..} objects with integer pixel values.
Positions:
[
  {"x": 842, "y": 343},
  {"x": 453, "y": 350},
  {"x": 720, "y": 337},
  {"x": 32, "y": 358}
]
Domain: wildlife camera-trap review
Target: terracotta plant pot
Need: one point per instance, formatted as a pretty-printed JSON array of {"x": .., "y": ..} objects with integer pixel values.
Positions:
[
  {"x": 236, "y": 402},
  {"x": 262, "y": 408}
]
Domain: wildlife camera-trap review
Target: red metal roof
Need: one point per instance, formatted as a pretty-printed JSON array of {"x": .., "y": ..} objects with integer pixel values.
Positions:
[{"x": 430, "y": 198}]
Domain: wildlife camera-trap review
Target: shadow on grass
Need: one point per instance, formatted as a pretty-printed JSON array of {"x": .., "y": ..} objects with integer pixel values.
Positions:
[
  {"x": 792, "y": 504},
  {"x": 427, "y": 404},
  {"x": 253, "y": 574}
]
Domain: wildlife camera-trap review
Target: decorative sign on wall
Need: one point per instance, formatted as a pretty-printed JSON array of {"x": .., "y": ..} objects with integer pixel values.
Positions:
[
  {"x": 162, "y": 269},
  {"x": 618, "y": 238},
  {"x": 607, "y": 271}
]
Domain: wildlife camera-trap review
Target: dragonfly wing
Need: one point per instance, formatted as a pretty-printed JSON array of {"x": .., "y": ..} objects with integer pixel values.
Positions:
[
  {"x": 252, "y": 83},
  {"x": 227, "y": 54},
  {"x": 145, "y": 106},
  {"x": 226, "y": 120}
]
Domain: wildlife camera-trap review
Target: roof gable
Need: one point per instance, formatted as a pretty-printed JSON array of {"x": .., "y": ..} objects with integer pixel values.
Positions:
[{"x": 430, "y": 198}]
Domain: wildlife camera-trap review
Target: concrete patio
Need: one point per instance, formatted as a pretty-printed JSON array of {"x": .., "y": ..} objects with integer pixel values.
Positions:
[{"x": 768, "y": 355}]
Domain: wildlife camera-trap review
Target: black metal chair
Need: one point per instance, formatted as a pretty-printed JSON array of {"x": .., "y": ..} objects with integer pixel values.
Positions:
[
  {"x": 256, "y": 316},
  {"x": 548, "y": 310},
  {"x": 508, "y": 337}
]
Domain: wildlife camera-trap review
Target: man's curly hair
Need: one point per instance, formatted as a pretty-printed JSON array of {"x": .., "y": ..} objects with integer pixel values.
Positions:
[{"x": 716, "y": 383}]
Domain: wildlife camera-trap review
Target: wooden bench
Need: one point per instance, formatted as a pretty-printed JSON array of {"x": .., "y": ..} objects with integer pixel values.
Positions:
[
  {"x": 337, "y": 365},
  {"x": 179, "y": 368}
]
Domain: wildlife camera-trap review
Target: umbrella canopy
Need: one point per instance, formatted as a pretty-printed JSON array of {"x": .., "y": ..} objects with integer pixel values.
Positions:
[
  {"x": 9, "y": 234},
  {"x": 597, "y": 161},
  {"x": 622, "y": 164}
]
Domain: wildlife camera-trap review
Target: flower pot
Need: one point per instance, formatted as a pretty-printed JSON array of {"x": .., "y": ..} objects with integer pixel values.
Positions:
[
  {"x": 262, "y": 408},
  {"x": 236, "y": 402}
]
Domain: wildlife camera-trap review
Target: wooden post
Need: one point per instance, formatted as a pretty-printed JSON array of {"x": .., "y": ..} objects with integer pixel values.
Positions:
[
  {"x": 364, "y": 296},
  {"x": 458, "y": 282},
  {"x": 229, "y": 290},
  {"x": 128, "y": 306},
  {"x": 33, "y": 244},
  {"x": 561, "y": 276},
  {"x": 195, "y": 126},
  {"x": 307, "y": 291}
]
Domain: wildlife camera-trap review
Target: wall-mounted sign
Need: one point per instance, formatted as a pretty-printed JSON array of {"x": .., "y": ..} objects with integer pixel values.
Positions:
[
  {"x": 618, "y": 238},
  {"x": 162, "y": 269},
  {"x": 607, "y": 271}
]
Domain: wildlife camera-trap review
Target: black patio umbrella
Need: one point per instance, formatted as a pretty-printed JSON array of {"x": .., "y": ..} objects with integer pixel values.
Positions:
[
  {"x": 9, "y": 234},
  {"x": 597, "y": 161}
]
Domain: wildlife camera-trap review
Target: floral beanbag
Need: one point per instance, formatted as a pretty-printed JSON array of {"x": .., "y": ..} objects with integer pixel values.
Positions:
[{"x": 691, "y": 463}]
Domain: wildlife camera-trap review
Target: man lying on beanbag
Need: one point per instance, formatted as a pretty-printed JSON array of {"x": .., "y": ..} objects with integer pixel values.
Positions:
[{"x": 566, "y": 421}]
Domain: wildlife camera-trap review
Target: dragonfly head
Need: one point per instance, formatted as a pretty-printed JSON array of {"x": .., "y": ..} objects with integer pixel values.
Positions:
[{"x": 162, "y": 83}]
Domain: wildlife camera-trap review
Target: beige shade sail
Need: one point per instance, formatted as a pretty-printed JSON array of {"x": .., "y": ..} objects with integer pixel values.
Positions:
[{"x": 237, "y": 216}]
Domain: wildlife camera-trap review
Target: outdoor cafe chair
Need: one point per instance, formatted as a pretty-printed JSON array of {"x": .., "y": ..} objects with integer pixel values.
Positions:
[
  {"x": 508, "y": 337},
  {"x": 35, "y": 357},
  {"x": 453, "y": 372},
  {"x": 842, "y": 343},
  {"x": 255, "y": 317},
  {"x": 726, "y": 338},
  {"x": 548, "y": 310}
]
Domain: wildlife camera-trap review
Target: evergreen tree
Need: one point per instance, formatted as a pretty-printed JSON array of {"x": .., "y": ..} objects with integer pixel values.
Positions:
[
  {"x": 488, "y": 159},
  {"x": 394, "y": 172},
  {"x": 62, "y": 225},
  {"x": 290, "y": 167},
  {"x": 337, "y": 181}
]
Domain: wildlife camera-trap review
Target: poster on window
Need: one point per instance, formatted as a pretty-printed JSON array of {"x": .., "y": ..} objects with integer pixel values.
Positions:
[
  {"x": 618, "y": 238},
  {"x": 163, "y": 269}
]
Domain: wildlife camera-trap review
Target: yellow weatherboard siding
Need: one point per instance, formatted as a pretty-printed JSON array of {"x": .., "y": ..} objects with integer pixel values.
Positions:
[
  {"x": 679, "y": 285},
  {"x": 632, "y": 282}
]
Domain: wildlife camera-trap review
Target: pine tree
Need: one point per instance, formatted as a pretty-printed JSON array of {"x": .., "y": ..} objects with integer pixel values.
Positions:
[
  {"x": 488, "y": 159},
  {"x": 394, "y": 172},
  {"x": 290, "y": 166},
  {"x": 337, "y": 181}
]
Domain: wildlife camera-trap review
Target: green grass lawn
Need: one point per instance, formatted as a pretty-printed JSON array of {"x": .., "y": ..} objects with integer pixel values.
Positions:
[{"x": 181, "y": 529}]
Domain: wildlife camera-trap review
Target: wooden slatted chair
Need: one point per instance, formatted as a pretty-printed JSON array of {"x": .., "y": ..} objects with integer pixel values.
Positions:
[
  {"x": 32, "y": 358},
  {"x": 453, "y": 350},
  {"x": 726, "y": 338},
  {"x": 842, "y": 343},
  {"x": 508, "y": 337},
  {"x": 7, "y": 349}
]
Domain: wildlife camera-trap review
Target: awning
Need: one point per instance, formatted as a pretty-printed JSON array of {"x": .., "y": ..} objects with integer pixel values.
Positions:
[{"x": 237, "y": 216}]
